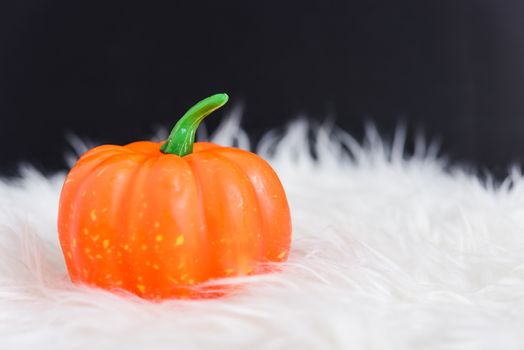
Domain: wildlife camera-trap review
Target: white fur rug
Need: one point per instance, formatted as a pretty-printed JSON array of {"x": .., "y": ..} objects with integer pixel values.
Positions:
[{"x": 388, "y": 253}]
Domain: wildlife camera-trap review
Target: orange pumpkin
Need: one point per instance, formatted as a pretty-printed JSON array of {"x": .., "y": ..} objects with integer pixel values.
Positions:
[{"x": 158, "y": 219}]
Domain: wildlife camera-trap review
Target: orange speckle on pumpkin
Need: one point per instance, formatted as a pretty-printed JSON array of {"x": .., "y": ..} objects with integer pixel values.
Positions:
[
  {"x": 118, "y": 283},
  {"x": 98, "y": 256},
  {"x": 93, "y": 214},
  {"x": 73, "y": 242},
  {"x": 159, "y": 238},
  {"x": 95, "y": 238},
  {"x": 85, "y": 231},
  {"x": 179, "y": 240},
  {"x": 229, "y": 271},
  {"x": 108, "y": 276},
  {"x": 140, "y": 215},
  {"x": 141, "y": 288},
  {"x": 69, "y": 255},
  {"x": 157, "y": 224},
  {"x": 143, "y": 247},
  {"x": 281, "y": 255},
  {"x": 105, "y": 243},
  {"x": 87, "y": 250},
  {"x": 156, "y": 267}
]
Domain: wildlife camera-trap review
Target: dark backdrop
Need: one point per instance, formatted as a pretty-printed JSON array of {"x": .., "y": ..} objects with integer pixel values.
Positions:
[{"x": 111, "y": 71}]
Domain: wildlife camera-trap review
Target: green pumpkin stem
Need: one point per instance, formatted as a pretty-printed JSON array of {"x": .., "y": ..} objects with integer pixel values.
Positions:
[{"x": 181, "y": 139}]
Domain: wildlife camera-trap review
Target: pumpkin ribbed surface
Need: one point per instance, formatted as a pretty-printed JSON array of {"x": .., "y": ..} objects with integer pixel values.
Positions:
[{"x": 156, "y": 225}]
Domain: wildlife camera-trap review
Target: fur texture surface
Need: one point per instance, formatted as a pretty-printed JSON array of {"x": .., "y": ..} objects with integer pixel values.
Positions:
[{"x": 389, "y": 252}]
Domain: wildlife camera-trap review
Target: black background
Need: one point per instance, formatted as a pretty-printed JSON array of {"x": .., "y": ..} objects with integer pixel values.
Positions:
[{"x": 112, "y": 71}]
